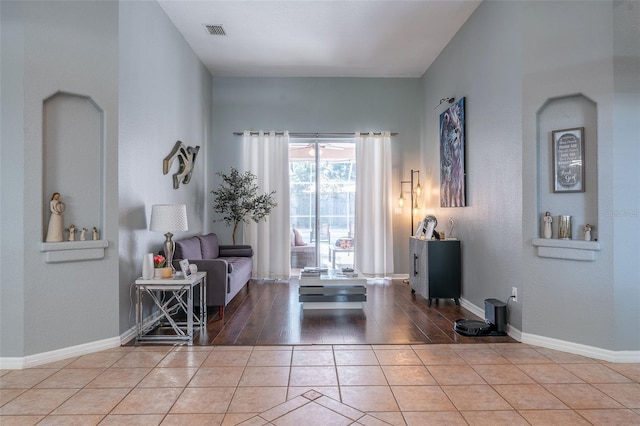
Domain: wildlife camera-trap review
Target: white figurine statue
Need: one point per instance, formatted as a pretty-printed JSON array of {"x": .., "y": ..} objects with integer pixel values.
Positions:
[
  {"x": 587, "y": 232},
  {"x": 83, "y": 234},
  {"x": 72, "y": 233},
  {"x": 547, "y": 225},
  {"x": 55, "y": 232},
  {"x": 95, "y": 233}
]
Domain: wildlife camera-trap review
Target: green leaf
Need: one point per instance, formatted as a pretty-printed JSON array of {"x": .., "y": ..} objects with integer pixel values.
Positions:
[{"x": 238, "y": 200}]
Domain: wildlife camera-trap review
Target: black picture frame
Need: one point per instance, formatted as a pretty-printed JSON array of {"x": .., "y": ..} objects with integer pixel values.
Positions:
[{"x": 567, "y": 146}]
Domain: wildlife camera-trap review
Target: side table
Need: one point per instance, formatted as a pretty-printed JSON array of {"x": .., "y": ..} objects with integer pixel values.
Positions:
[
  {"x": 168, "y": 295},
  {"x": 333, "y": 250}
]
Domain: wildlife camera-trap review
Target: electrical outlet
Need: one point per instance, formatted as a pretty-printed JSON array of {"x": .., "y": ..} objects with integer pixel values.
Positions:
[{"x": 514, "y": 293}]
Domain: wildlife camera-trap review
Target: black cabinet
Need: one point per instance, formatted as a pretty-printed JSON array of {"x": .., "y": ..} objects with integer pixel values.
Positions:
[{"x": 435, "y": 269}]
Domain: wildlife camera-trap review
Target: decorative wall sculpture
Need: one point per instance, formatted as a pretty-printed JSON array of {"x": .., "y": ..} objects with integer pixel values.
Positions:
[{"x": 186, "y": 156}]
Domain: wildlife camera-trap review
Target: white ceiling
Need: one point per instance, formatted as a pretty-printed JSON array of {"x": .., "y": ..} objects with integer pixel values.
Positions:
[{"x": 321, "y": 38}]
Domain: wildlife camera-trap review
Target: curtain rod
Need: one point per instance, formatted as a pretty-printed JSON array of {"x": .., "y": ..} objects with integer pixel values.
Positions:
[{"x": 317, "y": 135}]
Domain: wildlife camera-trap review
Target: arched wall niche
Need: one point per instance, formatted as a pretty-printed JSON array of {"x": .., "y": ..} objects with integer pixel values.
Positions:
[
  {"x": 73, "y": 165},
  {"x": 567, "y": 112}
]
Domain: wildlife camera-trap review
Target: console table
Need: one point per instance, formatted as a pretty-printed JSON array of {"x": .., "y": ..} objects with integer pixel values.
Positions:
[
  {"x": 332, "y": 290},
  {"x": 172, "y": 296},
  {"x": 435, "y": 269}
]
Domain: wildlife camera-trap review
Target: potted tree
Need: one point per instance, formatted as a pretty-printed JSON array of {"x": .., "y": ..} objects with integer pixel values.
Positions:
[{"x": 238, "y": 200}]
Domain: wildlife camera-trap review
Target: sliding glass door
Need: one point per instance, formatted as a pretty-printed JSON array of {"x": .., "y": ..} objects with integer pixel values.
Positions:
[{"x": 322, "y": 177}]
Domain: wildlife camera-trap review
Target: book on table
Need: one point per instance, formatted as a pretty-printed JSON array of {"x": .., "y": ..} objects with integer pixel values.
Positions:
[
  {"x": 313, "y": 271},
  {"x": 317, "y": 272}
]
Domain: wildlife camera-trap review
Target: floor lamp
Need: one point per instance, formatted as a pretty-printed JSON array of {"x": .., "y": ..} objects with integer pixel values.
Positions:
[
  {"x": 415, "y": 195},
  {"x": 169, "y": 218}
]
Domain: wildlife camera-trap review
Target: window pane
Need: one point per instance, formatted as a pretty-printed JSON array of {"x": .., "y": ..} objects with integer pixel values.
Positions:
[{"x": 330, "y": 245}]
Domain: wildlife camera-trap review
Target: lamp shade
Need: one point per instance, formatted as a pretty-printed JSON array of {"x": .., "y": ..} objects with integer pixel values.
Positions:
[{"x": 168, "y": 217}]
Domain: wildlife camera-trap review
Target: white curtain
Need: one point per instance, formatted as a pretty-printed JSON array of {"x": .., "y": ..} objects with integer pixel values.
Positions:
[
  {"x": 373, "y": 231},
  {"x": 266, "y": 155}
]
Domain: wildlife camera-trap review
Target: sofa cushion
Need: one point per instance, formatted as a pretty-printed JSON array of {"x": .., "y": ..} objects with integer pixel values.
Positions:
[
  {"x": 188, "y": 249},
  {"x": 298, "y": 241},
  {"x": 239, "y": 250},
  {"x": 209, "y": 246},
  {"x": 241, "y": 268}
]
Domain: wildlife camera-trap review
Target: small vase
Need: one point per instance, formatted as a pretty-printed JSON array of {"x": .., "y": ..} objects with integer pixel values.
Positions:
[
  {"x": 564, "y": 227},
  {"x": 157, "y": 273},
  {"x": 147, "y": 266}
]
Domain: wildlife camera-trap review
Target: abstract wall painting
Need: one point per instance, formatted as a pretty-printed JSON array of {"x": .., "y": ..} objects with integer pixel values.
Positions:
[{"x": 452, "y": 156}]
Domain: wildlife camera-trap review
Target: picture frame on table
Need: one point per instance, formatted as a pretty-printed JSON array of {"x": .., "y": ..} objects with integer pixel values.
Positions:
[
  {"x": 567, "y": 146},
  {"x": 184, "y": 267},
  {"x": 429, "y": 228},
  {"x": 419, "y": 230}
]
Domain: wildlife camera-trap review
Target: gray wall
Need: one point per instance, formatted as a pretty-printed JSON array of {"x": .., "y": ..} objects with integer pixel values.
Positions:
[
  {"x": 48, "y": 306},
  {"x": 624, "y": 212},
  {"x": 12, "y": 197},
  {"x": 318, "y": 105},
  {"x": 482, "y": 64},
  {"x": 165, "y": 96},
  {"x": 509, "y": 60},
  {"x": 138, "y": 69},
  {"x": 595, "y": 296}
]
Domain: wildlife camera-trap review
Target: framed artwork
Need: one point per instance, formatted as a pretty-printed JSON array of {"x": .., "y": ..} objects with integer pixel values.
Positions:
[
  {"x": 568, "y": 160},
  {"x": 430, "y": 226},
  {"x": 452, "y": 156},
  {"x": 419, "y": 230},
  {"x": 430, "y": 223},
  {"x": 184, "y": 266}
]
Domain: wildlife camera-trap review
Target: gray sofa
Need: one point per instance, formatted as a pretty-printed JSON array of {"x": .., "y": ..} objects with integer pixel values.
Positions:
[{"x": 228, "y": 267}]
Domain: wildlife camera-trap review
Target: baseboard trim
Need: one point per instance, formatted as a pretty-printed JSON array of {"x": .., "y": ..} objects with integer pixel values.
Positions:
[
  {"x": 580, "y": 349},
  {"x": 131, "y": 333},
  {"x": 17, "y": 363},
  {"x": 514, "y": 333},
  {"x": 471, "y": 307},
  {"x": 561, "y": 345},
  {"x": 128, "y": 335}
]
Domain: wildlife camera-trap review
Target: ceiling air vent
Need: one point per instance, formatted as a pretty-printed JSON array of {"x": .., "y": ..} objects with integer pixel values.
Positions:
[{"x": 216, "y": 30}]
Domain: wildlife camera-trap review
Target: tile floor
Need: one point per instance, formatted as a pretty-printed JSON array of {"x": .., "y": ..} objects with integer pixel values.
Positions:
[{"x": 459, "y": 384}]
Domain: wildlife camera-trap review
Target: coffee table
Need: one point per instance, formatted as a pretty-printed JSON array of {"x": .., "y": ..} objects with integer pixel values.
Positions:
[{"x": 332, "y": 290}]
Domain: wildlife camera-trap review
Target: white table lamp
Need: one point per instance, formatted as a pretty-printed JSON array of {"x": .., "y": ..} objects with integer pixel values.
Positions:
[{"x": 169, "y": 218}]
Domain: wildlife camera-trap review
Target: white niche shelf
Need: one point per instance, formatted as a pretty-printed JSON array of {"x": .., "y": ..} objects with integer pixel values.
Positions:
[
  {"x": 566, "y": 249},
  {"x": 73, "y": 251}
]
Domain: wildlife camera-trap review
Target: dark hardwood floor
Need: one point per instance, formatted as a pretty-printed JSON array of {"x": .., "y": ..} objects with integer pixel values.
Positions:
[{"x": 270, "y": 314}]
